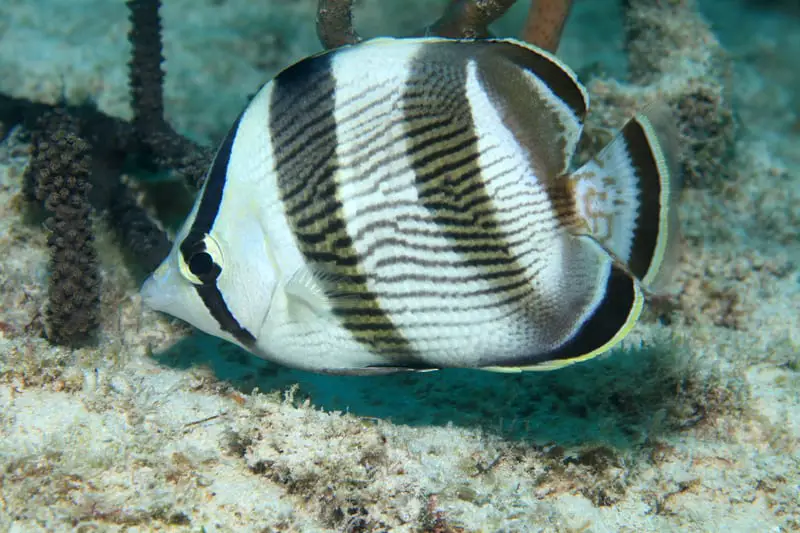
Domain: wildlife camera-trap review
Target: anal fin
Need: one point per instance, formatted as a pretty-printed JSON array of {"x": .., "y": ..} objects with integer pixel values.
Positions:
[{"x": 612, "y": 314}]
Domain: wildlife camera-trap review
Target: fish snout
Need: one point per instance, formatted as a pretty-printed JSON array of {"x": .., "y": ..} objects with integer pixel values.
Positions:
[{"x": 159, "y": 290}]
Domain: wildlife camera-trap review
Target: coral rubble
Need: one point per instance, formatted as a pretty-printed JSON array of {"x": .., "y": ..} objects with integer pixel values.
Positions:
[{"x": 674, "y": 58}]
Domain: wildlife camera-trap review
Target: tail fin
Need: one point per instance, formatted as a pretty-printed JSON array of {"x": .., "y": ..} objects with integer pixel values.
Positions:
[{"x": 626, "y": 197}]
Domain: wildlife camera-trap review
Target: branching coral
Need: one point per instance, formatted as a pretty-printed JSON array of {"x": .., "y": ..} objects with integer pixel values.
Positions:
[
  {"x": 146, "y": 75},
  {"x": 335, "y": 23},
  {"x": 545, "y": 23},
  {"x": 466, "y": 19},
  {"x": 469, "y": 18},
  {"x": 64, "y": 142},
  {"x": 168, "y": 149},
  {"x": 59, "y": 177}
]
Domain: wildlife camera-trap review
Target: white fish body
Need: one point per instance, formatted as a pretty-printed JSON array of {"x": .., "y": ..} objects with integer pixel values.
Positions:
[{"x": 408, "y": 204}]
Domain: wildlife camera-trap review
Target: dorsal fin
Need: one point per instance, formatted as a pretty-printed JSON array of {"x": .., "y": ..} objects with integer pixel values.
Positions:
[
  {"x": 540, "y": 101},
  {"x": 558, "y": 77}
]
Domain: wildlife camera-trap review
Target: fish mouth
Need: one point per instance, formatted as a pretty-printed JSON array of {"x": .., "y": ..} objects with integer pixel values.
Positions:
[
  {"x": 158, "y": 291},
  {"x": 148, "y": 292}
]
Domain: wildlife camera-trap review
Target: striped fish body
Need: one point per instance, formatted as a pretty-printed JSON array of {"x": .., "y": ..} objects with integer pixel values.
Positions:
[{"x": 408, "y": 204}]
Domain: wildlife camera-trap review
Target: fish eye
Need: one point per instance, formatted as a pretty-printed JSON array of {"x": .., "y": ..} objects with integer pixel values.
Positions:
[{"x": 200, "y": 259}]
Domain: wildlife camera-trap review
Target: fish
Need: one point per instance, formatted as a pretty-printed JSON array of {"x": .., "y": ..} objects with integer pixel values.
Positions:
[{"x": 410, "y": 204}]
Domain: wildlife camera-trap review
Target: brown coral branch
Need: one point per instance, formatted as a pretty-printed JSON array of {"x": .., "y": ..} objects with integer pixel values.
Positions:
[
  {"x": 335, "y": 23},
  {"x": 59, "y": 175},
  {"x": 65, "y": 166},
  {"x": 141, "y": 237},
  {"x": 469, "y": 19},
  {"x": 545, "y": 23},
  {"x": 168, "y": 148},
  {"x": 175, "y": 152},
  {"x": 146, "y": 77},
  {"x": 110, "y": 140}
]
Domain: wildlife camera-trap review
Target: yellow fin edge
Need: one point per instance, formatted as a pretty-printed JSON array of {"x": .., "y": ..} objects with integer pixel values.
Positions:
[
  {"x": 633, "y": 317},
  {"x": 665, "y": 200}
]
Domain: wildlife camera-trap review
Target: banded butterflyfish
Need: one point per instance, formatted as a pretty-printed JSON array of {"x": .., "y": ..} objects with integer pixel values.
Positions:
[{"x": 409, "y": 204}]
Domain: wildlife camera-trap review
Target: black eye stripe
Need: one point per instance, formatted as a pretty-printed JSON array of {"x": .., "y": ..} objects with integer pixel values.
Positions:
[
  {"x": 215, "y": 304},
  {"x": 201, "y": 264},
  {"x": 194, "y": 242}
]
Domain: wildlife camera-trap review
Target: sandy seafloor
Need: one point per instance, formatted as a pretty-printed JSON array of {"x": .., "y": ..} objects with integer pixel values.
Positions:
[{"x": 692, "y": 426}]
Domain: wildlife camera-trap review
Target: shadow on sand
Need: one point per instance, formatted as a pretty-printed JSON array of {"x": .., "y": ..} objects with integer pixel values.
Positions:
[{"x": 617, "y": 400}]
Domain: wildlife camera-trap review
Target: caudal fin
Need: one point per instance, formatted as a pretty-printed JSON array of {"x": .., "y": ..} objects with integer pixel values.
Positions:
[{"x": 625, "y": 197}]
